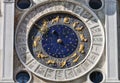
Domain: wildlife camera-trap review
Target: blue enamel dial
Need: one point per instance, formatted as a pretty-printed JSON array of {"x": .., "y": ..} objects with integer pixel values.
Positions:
[{"x": 60, "y": 41}]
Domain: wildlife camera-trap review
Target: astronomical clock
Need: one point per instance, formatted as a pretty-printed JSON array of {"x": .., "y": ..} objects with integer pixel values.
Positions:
[{"x": 58, "y": 41}]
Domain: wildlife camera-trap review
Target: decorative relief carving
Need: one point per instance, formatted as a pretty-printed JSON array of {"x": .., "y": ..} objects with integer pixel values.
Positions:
[
  {"x": 50, "y": 73},
  {"x": 78, "y": 70},
  {"x": 41, "y": 70},
  {"x": 60, "y": 75},
  {"x": 69, "y": 73}
]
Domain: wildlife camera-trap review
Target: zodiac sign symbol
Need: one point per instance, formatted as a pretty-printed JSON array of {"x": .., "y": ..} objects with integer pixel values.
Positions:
[
  {"x": 83, "y": 38},
  {"x": 42, "y": 56},
  {"x": 44, "y": 27},
  {"x": 55, "y": 19},
  {"x": 79, "y": 28},
  {"x": 81, "y": 49},
  {"x": 75, "y": 24},
  {"x": 66, "y": 20},
  {"x": 36, "y": 41},
  {"x": 62, "y": 64},
  {"x": 74, "y": 55},
  {"x": 50, "y": 62},
  {"x": 76, "y": 60}
]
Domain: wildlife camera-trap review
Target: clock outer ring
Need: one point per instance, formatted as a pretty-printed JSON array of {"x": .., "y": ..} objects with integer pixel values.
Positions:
[{"x": 27, "y": 63}]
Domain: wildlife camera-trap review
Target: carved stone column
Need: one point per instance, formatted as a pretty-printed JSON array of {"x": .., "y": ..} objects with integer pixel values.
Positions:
[
  {"x": 111, "y": 40},
  {"x": 8, "y": 42}
]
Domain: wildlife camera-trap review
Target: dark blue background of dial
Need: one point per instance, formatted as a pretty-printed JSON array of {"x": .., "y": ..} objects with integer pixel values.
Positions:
[{"x": 57, "y": 50}]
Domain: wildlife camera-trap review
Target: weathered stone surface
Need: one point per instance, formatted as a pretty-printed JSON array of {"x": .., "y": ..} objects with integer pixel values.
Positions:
[
  {"x": 72, "y": 8},
  {"x": 111, "y": 35}
]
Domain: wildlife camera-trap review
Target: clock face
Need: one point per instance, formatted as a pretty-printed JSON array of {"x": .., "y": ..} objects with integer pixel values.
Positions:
[{"x": 60, "y": 40}]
